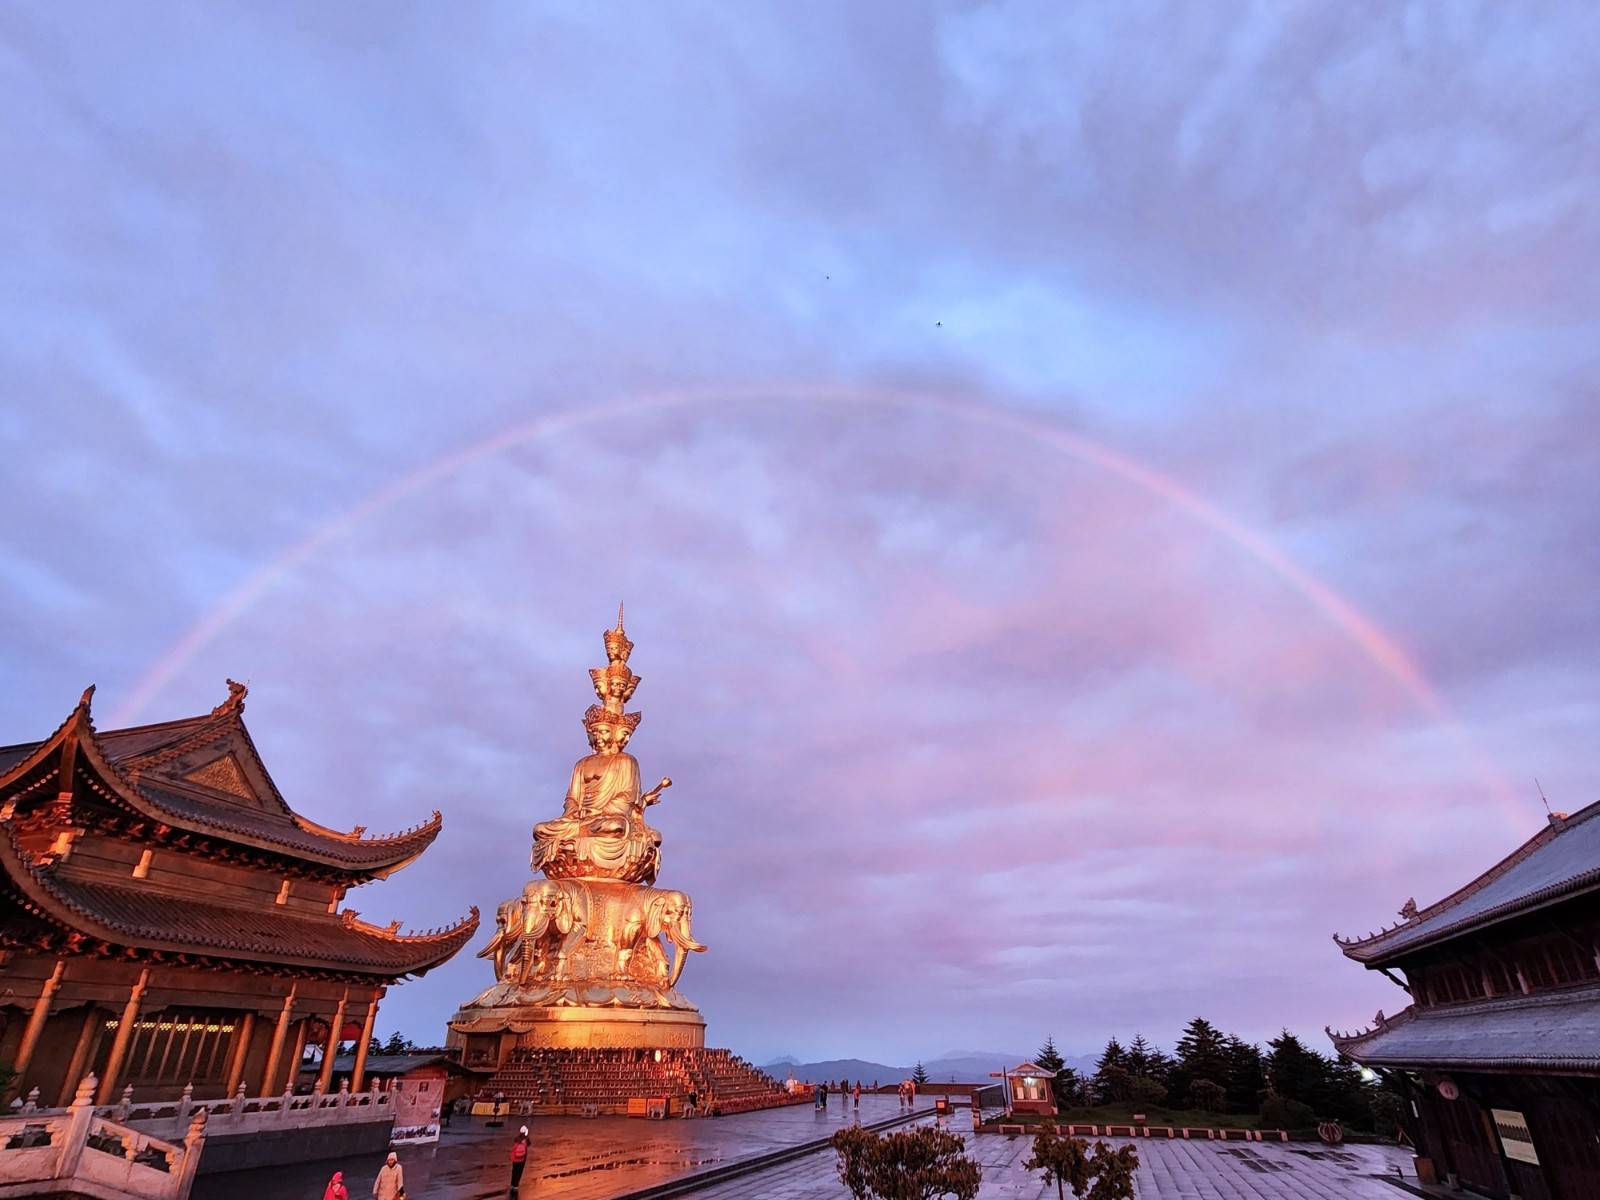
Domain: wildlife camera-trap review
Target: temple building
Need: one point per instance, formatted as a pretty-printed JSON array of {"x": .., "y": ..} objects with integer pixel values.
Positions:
[
  {"x": 167, "y": 919},
  {"x": 1499, "y": 1048}
]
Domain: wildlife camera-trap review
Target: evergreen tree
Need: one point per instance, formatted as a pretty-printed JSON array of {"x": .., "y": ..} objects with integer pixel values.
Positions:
[
  {"x": 1294, "y": 1071},
  {"x": 1112, "y": 1056},
  {"x": 1138, "y": 1062},
  {"x": 1244, "y": 1082},
  {"x": 1113, "y": 1084},
  {"x": 1202, "y": 1051},
  {"x": 1064, "y": 1082},
  {"x": 920, "y": 1075}
]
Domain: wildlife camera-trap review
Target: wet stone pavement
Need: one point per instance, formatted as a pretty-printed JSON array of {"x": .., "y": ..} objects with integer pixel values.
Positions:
[
  {"x": 574, "y": 1159},
  {"x": 1167, "y": 1171},
  {"x": 571, "y": 1158}
]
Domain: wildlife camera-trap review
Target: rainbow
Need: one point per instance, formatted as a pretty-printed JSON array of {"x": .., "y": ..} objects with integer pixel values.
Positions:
[{"x": 1364, "y": 633}]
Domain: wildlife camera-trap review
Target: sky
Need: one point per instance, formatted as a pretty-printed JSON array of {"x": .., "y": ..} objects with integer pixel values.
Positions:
[{"x": 1106, "y": 496}]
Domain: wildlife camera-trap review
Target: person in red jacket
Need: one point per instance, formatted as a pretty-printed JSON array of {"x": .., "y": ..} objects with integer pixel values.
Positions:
[{"x": 519, "y": 1158}]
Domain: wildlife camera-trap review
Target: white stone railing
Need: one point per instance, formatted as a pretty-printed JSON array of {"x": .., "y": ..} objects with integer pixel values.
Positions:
[
  {"x": 238, "y": 1113},
  {"x": 75, "y": 1149},
  {"x": 255, "y": 1114}
]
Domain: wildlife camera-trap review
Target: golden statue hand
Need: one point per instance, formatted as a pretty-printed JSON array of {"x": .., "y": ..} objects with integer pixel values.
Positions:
[{"x": 654, "y": 793}]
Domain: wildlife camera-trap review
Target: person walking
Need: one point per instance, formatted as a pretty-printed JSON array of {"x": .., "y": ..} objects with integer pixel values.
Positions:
[
  {"x": 855, "y": 1095},
  {"x": 391, "y": 1181},
  {"x": 519, "y": 1159},
  {"x": 694, "y": 1101},
  {"x": 336, "y": 1189}
]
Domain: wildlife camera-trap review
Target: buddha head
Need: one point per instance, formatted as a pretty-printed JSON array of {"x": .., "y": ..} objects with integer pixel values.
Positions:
[
  {"x": 608, "y": 731},
  {"x": 618, "y": 647},
  {"x": 614, "y": 684}
]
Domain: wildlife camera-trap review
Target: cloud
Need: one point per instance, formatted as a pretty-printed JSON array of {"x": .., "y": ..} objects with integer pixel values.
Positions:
[{"x": 950, "y": 714}]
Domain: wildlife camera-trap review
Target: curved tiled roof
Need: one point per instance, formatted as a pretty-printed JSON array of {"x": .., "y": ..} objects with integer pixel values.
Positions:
[
  {"x": 135, "y": 766},
  {"x": 1560, "y": 860},
  {"x": 139, "y": 917},
  {"x": 1555, "y": 1031}
]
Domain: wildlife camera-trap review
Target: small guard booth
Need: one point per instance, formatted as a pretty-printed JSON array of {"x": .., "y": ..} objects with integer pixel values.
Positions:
[{"x": 1027, "y": 1089}]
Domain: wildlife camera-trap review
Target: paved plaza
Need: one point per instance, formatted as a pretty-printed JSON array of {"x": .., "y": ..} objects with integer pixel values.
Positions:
[
  {"x": 1167, "y": 1171},
  {"x": 575, "y": 1159},
  {"x": 572, "y": 1158}
]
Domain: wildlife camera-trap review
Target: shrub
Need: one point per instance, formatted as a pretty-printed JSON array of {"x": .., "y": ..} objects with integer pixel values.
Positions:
[
  {"x": 912, "y": 1164},
  {"x": 1147, "y": 1092},
  {"x": 1279, "y": 1113},
  {"x": 1104, "y": 1174},
  {"x": 1206, "y": 1095}
]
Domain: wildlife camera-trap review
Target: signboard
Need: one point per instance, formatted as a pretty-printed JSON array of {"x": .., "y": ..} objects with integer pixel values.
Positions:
[
  {"x": 415, "y": 1135},
  {"x": 1515, "y": 1139}
]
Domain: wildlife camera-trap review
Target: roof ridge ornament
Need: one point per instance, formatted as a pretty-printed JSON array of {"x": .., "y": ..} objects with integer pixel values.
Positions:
[{"x": 235, "y": 702}]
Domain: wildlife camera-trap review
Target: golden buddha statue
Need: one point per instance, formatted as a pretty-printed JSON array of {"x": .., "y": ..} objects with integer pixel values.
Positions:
[
  {"x": 591, "y": 954},
  {"x": 601, "y": 832}
]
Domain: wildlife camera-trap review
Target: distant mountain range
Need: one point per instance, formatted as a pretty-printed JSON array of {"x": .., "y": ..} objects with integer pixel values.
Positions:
[{"x": 961, "y": 1066}]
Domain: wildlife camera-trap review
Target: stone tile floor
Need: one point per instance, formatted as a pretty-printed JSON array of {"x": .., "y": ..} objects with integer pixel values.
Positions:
[
  {"x": 574, "y": 1159},
  {"x": 1167, "y": 1171}
]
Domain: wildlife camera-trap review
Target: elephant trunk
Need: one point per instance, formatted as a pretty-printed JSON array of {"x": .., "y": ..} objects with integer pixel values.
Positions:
[{"x": 682, "y": 943}]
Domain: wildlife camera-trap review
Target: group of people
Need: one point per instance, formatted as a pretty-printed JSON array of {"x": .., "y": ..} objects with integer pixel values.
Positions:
[
  {"x": 844, "y": 1089},
  {"x": 908, "y": 1093},
  {"x": 391, "y": 1181}
]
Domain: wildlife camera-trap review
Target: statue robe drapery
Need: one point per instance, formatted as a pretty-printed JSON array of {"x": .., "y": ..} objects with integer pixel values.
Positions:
[{"x": 602, "y": 815}]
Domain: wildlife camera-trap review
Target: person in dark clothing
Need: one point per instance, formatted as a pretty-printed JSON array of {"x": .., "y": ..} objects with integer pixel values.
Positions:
[{"x": 519, "y": 1159}]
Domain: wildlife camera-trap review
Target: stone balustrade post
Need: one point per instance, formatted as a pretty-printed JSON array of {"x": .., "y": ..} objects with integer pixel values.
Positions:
[
  {"x": 193, "y": 1146},
  {"x": 80, "y": 1115},
  {"x": 238, "y": 1103},
  {"x": 180, "y": 1119},
  {"x": 344, "y": 1092},
  {"x": 31, "y": 1104},
  {"x": 125, "y": 1105},
  {"x": 283, "y": 1107}
]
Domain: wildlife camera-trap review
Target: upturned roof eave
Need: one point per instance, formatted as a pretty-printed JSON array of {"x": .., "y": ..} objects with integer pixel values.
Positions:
[
  {"x": 1390, "y": 945},
  {"x": 58, "y": 907},
  {"x": 363, "y": 857}
]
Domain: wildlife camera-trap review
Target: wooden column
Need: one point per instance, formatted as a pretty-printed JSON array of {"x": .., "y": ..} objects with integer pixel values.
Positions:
[
  {"x": 87, "y": 1037},
  {"x": 241, "y": 1048},
  {"x": 331, "y": 1049},
  {"x": 278, "y": 1035},
  {"x": 358, "y": 1076},
  {"x": 119, "y": 1048},
  {"x": 298, "y": 1054},
  {"x": 36, "y": 1019}
]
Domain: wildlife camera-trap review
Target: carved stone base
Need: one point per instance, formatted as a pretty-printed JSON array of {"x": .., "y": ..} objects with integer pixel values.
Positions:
[{"x": 487, "y": 1034}]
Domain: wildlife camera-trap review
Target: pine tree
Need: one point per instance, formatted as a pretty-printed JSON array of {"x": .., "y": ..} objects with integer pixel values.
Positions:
[
  {"x": 1138, "y": 1056},
  {"x": 1112, "y": 1056},
  {"x": 1296, "y": 1072},
  {"x": 1112, "y": 1081},
  {"x": 1245, "y": 1084},
  {"x": 1063, "y": 1083},
  {"x": 920, "y": 1075},
  {"x": 1201, "y": 1058}
]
